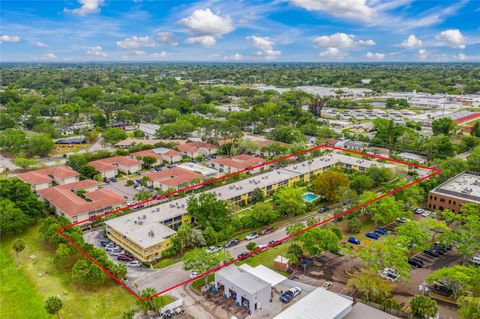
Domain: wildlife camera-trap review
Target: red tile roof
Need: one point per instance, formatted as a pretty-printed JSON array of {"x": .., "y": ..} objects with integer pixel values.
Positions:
[
  {"x": 107, "y": 164},
  {"x": 45, "y": 175},
  {"x": 467, "y": 118},
  {"x": 242, "y": 161},
  {"x": 173, "y": 177},
  {"x": 168, "y": 152},
  {"x": 87, "y": 183},
  {"x": 73, "y": 205},
  {"x": 193, "y": 147}
]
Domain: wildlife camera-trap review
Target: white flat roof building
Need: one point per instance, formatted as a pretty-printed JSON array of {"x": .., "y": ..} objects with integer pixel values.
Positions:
[
  {"x": 319, "y": 304},
  {"x": 207, "y": 172}
]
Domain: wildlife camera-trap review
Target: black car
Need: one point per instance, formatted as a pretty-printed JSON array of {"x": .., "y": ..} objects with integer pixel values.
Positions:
[
  {"x": 415, "y": 262},
  {"x": 442, "y": 289},
  {"x": 431, "y": 252},
  {"x": 242, "y": 255},
  {"x": 274, "y": 243},
  {"x": 104, "y": 242},
  {"x": 231, "y": 243},
  {"x": 323, "y": 210},
  {"x": 439, "y": 250}
]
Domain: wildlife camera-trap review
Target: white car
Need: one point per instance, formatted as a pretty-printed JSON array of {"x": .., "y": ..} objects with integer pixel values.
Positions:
[
  {"x": 295, "y": 291},
  {"x": 112, "y": 248},
  {"x": 419, "y": 211},
  {"x": 389, "y": 274},
  {"x": 327, "y": 285},
  {"x": 117, "y": 252},
  {"x": 251, "y": 236},
  {"x": 193, "y": 274},
  {"x": 426, "y": 213},
  {"x": 264, "y": 247},
  {"x": 403, "y": 220},
  {"x": 213, "y": 249},
  {"x": 134, "y": 263}
]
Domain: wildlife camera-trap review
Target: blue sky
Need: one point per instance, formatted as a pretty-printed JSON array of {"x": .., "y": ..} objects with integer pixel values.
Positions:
[{"x": 213, "y": 30}]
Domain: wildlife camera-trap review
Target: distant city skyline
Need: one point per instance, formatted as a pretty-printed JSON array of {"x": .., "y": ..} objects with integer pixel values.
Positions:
[{"x": 240, "y": 31}]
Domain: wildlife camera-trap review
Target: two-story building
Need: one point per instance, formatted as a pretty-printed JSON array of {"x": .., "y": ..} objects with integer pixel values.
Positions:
[
  {"x": 46, "y": 177},
  {"x": 109, "y": 167},
  {"x": 238, "y": 163},
  {"x": 196, "y": 149}
]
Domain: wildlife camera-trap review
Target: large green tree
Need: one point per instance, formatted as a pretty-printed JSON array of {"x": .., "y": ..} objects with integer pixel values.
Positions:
[
  {"x": 289, "y": 201},
  {"x": 53, "y": 305},
  {"x": 423, "y": 307},
  {"x": 329, "y": 183},
  {"x": 208, "y": 210}
]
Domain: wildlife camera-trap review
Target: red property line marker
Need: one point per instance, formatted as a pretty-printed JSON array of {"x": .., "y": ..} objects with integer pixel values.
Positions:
[{"x": 159, "y": 197}]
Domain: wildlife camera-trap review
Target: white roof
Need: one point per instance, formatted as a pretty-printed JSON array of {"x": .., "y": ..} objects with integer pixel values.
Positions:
[
  {"x": 242, "y": 278},
  {"x": 266, "y": 274},
  {"x": 319, "y": 304}
]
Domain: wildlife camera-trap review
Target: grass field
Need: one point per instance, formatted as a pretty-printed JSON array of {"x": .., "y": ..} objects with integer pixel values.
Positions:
[{"x": 24, "y": 290}]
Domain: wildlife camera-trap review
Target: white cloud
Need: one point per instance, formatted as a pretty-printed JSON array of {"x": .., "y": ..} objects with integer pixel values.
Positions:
[
  {"x": 452, "y": 37},
  {"x": 48, "y": 57},
  {"x": 461, "y": 56},
  {"x": 40, "y": 44},
  {"x": 9, "y": 38},
  {"x": 366, "y": 42},
  {"x": 159, "y": 55},
  {"x": 375, "y": 56},
  {"x": 332, "y": 53},
  {"x": 88, "y": 6},
  {"x": 205, "y": 40},
  {"x": 166, "y": 38},
  {"x": 411, "y": 42},
  {"x": 422, "y": 54},
  {"x": 138, "y": 53},
  {"x": 135, "y": 43},
  {"x": 234, "y": 57},
  {"x": 349, "y": 9},
  {"x": 340, "y": 40},
  {"x": 205, "y": 22},
  {"x": 96, "y": 52},
  {"x": 265, "y": 45}
]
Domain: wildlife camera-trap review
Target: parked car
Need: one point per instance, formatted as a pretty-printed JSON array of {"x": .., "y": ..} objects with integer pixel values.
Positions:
[
  {"x": 323, "y": 209},
  {"x": 231, "y": 243},
  {"x": 287, "y": 296},
  {"x": 251, "y": 236},
  {"x": 417, "y": 263},
  {"x": 112, "y": 248},
  {"x": 213, "y": 249},
  {"x": 134, "y": 263},
  {"x": 402, "y": 220},
  {"x": 124, "y": 257},
  {"x": 262, "y": 247},
  {"x": 327, "y": 285},
  {"x": 117, "y": 252},
  {"x": 353, "y": 240},
  {"x": 476, "y": 260},
  {"x": 267, "y": 230},
  {"x": 274, "y": 243},
  {"x": 431, "y": 252},
  {"x": 426, "y": 213},
  {"x": 104, "y": 242},
  {"x": 113, "y": 179},
  {"x": 106, "y": 180},
  {"x": 372, "y": 235},
  {"x": 389, "y": 274},
  {"x": 242, "y": 255},
  {"x": 337, "y": 252},
  {"x": 381, "y": 231},
  {"x": 442, "y": 288},
  {"x": 419, "y": 211},
  {"x": 193, "y": 274}
]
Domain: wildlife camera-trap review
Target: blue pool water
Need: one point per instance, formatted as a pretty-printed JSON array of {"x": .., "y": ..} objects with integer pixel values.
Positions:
[{"x": 309, "y": 197}]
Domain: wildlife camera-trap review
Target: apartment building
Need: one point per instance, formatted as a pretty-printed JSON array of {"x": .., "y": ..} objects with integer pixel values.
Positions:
[
  {"x": 132, "y": 231},
  {"x": 454, "y": 193},
  {"x": 162, "y": 154},
  {"x": 109, "y": 167},
  {"x": 173, "y": 178},
  {"x": 80, "y": 200},
  {"x": 238, "y": 163},
  {"x": 46, "y": 177},
  {"x": 196, "y": 149}
]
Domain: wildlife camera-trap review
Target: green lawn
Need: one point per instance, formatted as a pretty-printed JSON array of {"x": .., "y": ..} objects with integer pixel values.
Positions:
[
  {"x": 266, "y": 257},
  {"x": 24, "y": 291},
  {"x": 166, "y": 262}
]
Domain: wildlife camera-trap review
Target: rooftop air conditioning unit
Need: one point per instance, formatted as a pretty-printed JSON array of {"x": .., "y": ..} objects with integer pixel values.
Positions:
[{"x": 140, "y": 222}]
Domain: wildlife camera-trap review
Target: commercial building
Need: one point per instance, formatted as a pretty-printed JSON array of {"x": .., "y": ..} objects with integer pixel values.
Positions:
[
  {"x": 245, "y": 288},
  {"x": 129, "y": 142},
  {"x": 109, "y": 167},
  {"x": 172, "y": 214},
  {"x": 149, "y": 129},
  {"x": 46, "y": 177},
  {"x": 238, "y": 163},
  {"x": 413, "y": 157},
  {"x": 68, "y": 201},
  {"x": 454, "y": 193}
]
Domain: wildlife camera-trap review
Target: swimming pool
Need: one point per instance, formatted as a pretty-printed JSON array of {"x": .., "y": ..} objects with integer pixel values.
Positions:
[{"x": 309, "y": 197}]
